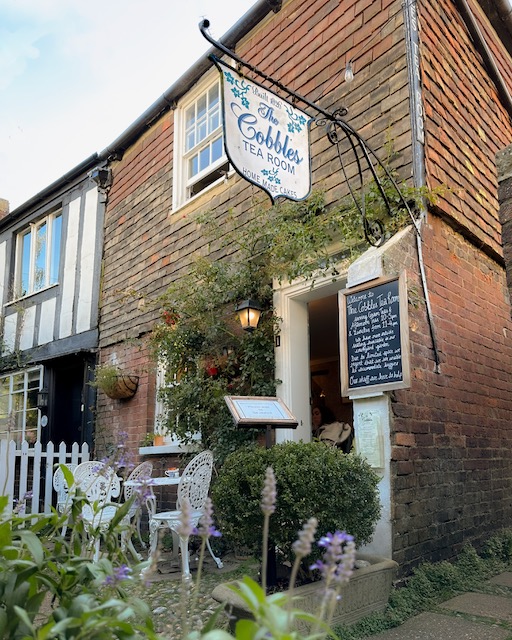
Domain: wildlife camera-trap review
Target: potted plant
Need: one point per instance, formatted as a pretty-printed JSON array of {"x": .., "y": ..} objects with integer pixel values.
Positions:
[
  {"x": 339, "y": 489},
  {"x": 114, "y": 383},
  {"x": 152, "y": 440}
]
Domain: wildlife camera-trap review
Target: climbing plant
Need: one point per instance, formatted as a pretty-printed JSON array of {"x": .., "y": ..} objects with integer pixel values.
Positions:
[{"x": 205, "y": 353}]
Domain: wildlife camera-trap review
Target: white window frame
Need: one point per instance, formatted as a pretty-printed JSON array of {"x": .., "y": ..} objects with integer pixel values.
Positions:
[
  {"x": 15, "y": 433},
  {"x": 182, "y": 185},
  {"x": 49, "y": 278},
  {"x": 172, "y": 444}
]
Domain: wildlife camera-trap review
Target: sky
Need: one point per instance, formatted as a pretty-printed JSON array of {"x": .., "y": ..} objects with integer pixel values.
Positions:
[{"x": 74, "y": 74}]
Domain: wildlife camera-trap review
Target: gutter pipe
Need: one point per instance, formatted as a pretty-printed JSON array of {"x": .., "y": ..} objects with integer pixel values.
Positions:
[{"x": 479, "y": 40}]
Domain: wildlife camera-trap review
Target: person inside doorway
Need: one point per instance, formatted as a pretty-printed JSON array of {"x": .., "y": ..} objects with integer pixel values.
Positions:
[{"x": 327, "y": 429}]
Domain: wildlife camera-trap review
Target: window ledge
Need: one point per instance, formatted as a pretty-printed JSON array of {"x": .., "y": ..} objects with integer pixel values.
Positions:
[
  {"x": 30, "y": 295},
  {"x": 163, "y": 449}
]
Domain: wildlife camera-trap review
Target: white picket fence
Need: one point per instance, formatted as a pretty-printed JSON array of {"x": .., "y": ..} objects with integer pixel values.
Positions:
[{"x": 26, "y": 472}]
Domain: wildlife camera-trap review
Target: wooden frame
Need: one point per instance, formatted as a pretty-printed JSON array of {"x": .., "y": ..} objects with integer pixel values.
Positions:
[
  {"x": 260, "y": 411},
  {"x": 374, "y": 337}
]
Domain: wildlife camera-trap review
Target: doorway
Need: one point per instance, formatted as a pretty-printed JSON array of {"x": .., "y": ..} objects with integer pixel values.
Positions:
[
  {"x": 308, "y": 353},
  {"x": 70, "y": 404},
  {"x": 324, "y": 358}
]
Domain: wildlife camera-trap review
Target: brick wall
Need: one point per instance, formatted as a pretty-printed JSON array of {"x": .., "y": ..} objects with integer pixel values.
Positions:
[
  {"x": 306, "y": 46},
  {"x": 465, "y": 123},
  {"x": 451, "y": 465},
  {"x": 504, "y": 161}
]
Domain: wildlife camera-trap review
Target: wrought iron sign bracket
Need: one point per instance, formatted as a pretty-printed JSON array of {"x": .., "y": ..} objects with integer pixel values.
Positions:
[{"x": 337, "y": 130}]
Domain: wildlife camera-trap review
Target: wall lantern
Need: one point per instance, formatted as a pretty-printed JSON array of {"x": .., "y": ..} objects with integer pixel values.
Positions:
[
  {"x": 249, "y": 312},
  {"x": 42, "y": 398}
]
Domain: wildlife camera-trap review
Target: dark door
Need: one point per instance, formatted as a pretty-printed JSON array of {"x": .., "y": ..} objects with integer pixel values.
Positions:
[{"x": 69, "y": 403}]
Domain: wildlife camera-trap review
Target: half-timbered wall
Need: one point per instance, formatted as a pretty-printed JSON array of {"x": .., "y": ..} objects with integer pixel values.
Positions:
[{"x": 66, "y": 310}]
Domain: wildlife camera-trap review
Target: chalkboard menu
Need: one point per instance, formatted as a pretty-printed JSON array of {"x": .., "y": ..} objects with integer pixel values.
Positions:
[{"x": 375, "y": 337}]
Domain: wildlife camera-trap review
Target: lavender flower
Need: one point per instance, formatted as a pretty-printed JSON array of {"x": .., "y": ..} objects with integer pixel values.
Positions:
[
  {"x": 302, "y": 546},
  {"x": 120, "y": 573},
  {"x": 206, "y": 528},
  {"x": 185, "y": 527},
  {"x": 338, "y": 561},
  {"x": 268, "y": 495}
]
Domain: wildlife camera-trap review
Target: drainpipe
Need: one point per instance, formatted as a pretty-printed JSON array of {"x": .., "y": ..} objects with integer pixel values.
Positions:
[
  {"x": 418, "y": 144},
  {"x": 482, "y": 47}
]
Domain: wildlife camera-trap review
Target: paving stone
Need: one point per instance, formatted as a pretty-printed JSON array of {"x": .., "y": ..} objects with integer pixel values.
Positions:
[
  {"x": 481, "y": 604},
  {"x": 435, "y": 626},
  {"x": 504, "y": 579}
]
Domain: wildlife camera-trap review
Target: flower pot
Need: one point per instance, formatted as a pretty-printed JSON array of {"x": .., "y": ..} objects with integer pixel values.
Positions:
[
  {"x": 367, "y": 591},
  {"x": 158, "y": 440},
  {"x": 123, "y": 387}
]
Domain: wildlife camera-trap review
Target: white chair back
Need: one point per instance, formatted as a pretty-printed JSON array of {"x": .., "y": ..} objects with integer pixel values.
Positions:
[
  {"x": 61, "y": 487},
  {"x": 142, "y": 471},
  {"x": 195, "y": 481},
  {"x": 99, "y": 483}
]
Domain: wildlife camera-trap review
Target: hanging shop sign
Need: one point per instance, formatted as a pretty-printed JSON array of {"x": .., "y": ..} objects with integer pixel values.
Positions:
[{"x": 266, "y": 138}]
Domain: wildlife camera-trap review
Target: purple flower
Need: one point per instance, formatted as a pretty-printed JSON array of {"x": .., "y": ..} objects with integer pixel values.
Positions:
[
  {"x": 184, "y": 528},
  {"x": 338, "y": 562},
  {"x": 206, "y": 528},
  {"x": 120, "y": 573},
  {"x": 268, "y": 495}
]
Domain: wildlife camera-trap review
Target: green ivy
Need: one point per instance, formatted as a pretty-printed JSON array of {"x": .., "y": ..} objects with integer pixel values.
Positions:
[{"x": 205, "y": 352}]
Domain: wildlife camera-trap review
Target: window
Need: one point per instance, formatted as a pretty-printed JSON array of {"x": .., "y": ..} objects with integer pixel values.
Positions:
[
  {"x": 200, "y": 139},
  {"x": 19, "y": 415},
  {"x": 38, "y": 255},
  {"x": 161, "y": 415}
]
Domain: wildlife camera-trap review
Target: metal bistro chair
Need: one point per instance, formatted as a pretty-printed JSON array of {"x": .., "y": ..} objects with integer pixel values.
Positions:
[
  {"x": 193, "y": 487},
  {"x": 63, "y": 498},
  {"x": 142, "y": 472},
  {"x": 101, "y": 485}
]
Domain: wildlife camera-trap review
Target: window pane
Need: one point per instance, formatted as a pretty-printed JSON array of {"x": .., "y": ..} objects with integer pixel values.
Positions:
[
  {"x": 190, "y": 140},
  {"x": 18, "y": 381},
  {"x": 40, "y": 259},
  {"x": 201, "y": 107},
  {"x": 25, "y": 264},
  {"x": 190, "y": 116},
  {"x": 201, "y": 130},
  {"x": 217, "y": 149},
  {"x": 204, "y": 158},
  {"x": 214, "y": 96},
  {"x": 193, "y": 166},
  {"x": 55, "y": 249},
  {"x": 214, "y": 121}
]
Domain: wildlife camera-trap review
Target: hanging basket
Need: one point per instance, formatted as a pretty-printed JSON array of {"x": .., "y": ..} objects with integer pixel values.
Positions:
[{"x": 123, "y": 387}]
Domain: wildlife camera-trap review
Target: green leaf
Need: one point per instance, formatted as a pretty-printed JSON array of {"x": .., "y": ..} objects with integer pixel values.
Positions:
[
  {"x": 23, "y": 616},
  {"x": 33, "y": 544}
]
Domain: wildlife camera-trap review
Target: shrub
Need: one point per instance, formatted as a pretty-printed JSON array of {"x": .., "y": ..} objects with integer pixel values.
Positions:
[
  {"x": 312, "y": 479},
  {"x": 49, "y": 590}
]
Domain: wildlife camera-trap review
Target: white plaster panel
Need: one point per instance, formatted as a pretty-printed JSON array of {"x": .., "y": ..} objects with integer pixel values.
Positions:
[
  {"x": 377, "y": 408},
  {"x": 47, "y": 321},
  {"x": 70, "y": 261},
  {"x": 10, "y": 323},
  {"x": 87, "y": 254},
  {"x": 28, "y": 324},
  {"x": 3, "y": 267}
]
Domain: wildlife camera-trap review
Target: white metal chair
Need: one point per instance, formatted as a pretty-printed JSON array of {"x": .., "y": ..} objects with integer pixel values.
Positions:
[
  {"x": 100, "y": 485},
  {"x": 142, "y": 471},
  {"x": 193, "y": 487},
  {"x": 63, "y": 498}
]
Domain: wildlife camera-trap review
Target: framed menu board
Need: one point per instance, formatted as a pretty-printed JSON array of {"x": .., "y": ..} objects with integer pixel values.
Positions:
[
  {"x": 374, "y": 337},
  {"x": 260, "y": 411}
]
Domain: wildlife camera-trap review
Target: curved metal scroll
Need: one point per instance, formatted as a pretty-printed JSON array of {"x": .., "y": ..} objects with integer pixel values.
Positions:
[{"x": 337, "y": 130}]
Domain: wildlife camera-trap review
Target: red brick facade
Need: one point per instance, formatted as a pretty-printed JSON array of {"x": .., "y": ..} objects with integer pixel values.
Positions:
[{"x": 451, "y": 472}]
